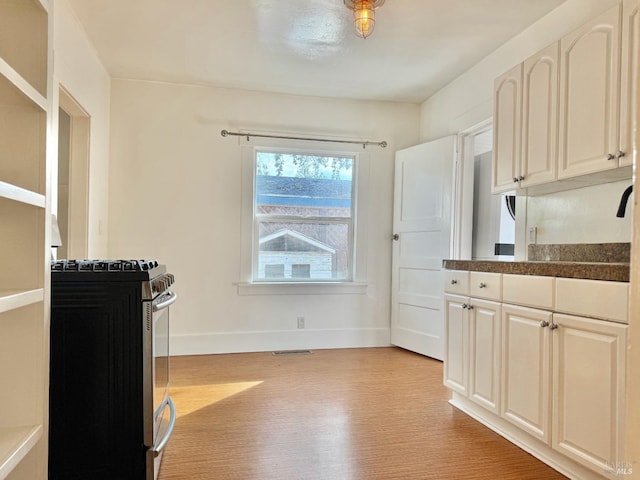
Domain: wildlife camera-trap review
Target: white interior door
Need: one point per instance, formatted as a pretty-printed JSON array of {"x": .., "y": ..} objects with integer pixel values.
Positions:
[{"x": 422, "y": 223}]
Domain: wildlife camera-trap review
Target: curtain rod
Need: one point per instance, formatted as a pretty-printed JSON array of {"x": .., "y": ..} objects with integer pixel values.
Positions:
[{"x": 226, "y": 133}]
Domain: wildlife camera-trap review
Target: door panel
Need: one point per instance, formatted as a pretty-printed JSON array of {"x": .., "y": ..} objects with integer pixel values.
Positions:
[
  {"x": 588, "y": 374},
  {"x": 540, "y": 117},
  {"x": 506, "y": 129},
  {"x": 526, "y": 376},
  {"x": 423, "y": 223},
  {"x": 456, "y": 368},
  {"x": 589, "y": 77},
  {"x": 484, "y": 367}
]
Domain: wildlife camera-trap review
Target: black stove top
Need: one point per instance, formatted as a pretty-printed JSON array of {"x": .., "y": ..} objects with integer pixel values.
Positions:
[
  {"x": 103, "y": 265},
  {"x": 149, "y": 274}
]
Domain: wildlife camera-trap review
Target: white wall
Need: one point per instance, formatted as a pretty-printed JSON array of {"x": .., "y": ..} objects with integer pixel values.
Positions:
[
  {"x": 176, "y": 196},
  {"x": 78, "y": 69},
  {"x": 580, "y": 216},
  {"x": 585, "y": 213}
]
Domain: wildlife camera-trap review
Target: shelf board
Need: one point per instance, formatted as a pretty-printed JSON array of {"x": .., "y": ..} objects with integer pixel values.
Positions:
[
  {"x": 22, "y": 85},
  {"x": 12, "y": 299},
  {"x": 15, "y": 443},
  {"x": 20, "y": 194}
]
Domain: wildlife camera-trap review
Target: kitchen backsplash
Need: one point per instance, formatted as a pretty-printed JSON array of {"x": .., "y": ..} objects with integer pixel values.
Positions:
[{"x": 580, "y": 252}]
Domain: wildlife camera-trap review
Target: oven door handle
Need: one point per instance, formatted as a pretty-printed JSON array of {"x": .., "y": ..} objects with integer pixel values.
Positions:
[
  {"x": 157, "y": 449},
  {"x": 166, "y": 299}
]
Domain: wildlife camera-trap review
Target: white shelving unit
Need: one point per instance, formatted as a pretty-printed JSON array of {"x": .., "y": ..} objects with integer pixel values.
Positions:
[{"x": 25, "y": 212}]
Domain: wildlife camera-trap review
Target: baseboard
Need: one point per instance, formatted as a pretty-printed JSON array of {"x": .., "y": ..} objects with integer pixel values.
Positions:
[{"x": 262, "y": 341}]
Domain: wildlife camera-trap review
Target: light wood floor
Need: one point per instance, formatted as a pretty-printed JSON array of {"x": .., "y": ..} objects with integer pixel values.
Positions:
[{"x": 353, "y": 414}]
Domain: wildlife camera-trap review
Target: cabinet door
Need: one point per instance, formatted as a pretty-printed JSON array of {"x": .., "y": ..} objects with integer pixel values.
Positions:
[
  {"x": 484, "y": 354},
  {"x": 456, "y": 355},
  {"x": 526, "y": 370},
  {"x": 629, "y": 78},
  {"x": 506, "y": 129},
  {"x": 589, "y": 103},
  {"x": 540, "y": 117},
  {"x": 588, "y": 380}
]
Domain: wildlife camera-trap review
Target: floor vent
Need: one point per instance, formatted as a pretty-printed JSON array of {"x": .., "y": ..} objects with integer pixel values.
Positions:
[{"x": 292, "y": 352}]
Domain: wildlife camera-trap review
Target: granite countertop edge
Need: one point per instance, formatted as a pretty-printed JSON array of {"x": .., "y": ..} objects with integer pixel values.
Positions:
[{"x": 614, "y": 272}]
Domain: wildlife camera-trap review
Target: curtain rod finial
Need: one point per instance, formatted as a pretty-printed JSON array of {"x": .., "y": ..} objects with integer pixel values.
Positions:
[{"x": 224, "y": 133}]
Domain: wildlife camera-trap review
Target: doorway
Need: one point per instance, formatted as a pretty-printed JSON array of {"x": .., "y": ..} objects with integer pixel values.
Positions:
[
  {"x": 489, "y": 233},
  {"x": 73, "y": 177}
]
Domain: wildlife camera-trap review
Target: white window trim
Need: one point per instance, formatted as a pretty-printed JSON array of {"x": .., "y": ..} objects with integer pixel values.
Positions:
[{"x": 358, "y": 284}]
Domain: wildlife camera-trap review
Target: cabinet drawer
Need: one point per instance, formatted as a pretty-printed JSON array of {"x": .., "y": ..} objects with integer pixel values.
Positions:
[
  {"x": 593, "y": 298},
  {"x": 456, "y": 281},
  {"x": 529, "y": 290},
  {"x": 485, "y": 285}
]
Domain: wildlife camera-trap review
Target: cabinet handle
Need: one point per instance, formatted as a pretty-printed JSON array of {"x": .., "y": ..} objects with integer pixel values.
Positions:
[
  {"x": 454, "y": 282},
  {"x": 620, "y": 154},
  {"x": 553, "y": 326},
  {"x": 395, "y": 236},
  {"x": 464, "y": 305},
  {"x": 544, "y": 323},
  {"x": 515, "y": 180},
  {"x": 611, "y": 156},
  {"x": 470, "y": 307},
  {"x": 482, "y": 285},
  {"x": 520, "y": 178}
]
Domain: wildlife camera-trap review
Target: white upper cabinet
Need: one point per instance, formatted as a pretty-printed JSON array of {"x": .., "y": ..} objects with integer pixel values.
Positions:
[
  {"x": 629, "y": 77},
  {"x": 589, "y": 102},
  {"x": 565, "y": 118},
  {"x": 506, "y": 130},
  {"x": 539, "y": 118},
  {"x": 526, "y": 123}
]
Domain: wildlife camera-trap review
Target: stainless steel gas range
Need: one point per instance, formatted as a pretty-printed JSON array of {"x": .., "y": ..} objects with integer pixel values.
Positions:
[{"x": 110, "y": 415}]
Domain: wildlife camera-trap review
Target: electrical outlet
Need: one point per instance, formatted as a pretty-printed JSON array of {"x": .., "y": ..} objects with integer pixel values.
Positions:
[
  {"x": 533, "y": 235},
  {"x": 300, "y": 322}
]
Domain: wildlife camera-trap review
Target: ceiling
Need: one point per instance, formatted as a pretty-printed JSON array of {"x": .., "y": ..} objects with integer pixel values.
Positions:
[{"x": 303, "y": 47}]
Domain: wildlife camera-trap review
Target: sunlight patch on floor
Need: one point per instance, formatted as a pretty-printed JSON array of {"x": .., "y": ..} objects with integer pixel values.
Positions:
[{"x": 194, "y": 397}]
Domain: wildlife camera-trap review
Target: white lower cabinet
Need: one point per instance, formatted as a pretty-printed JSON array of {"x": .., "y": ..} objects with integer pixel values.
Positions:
[
  {"x": 558, "y": 377},
  {"x": 588, "y": 391},
  {"x": 484, "y": 353},
  {"x": 526, "y": 369},
  {"x": 456, "y": 365},
  {"x": 473, "y": 349}
]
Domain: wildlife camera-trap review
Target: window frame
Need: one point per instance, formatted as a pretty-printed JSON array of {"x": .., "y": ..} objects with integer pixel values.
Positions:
[{"x": 356, "y": 284}]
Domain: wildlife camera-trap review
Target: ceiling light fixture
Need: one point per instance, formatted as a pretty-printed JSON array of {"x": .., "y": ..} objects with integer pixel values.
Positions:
[{"x": 364, "y": 15}]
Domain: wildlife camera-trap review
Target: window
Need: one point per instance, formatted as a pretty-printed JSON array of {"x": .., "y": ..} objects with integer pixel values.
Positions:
[{"x": 303, "y": 206}]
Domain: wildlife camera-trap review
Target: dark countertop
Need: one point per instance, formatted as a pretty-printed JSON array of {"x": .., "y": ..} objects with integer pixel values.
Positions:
[{"x": 615, "y": 272}]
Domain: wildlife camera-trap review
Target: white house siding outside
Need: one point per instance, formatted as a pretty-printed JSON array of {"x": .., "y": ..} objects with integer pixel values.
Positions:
[{"x": 319, "y": 263}]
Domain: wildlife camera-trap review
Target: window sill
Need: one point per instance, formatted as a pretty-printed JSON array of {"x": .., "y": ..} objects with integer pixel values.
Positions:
[{"x": 306, "y": 288}]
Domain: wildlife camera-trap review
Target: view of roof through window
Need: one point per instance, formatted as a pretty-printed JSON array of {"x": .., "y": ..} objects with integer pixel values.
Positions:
[{"x": 304, "y": 211}]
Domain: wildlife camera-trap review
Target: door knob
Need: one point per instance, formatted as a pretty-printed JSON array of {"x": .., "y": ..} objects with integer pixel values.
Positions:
[
  {"x": 544, "y": 323},
  {"x": 620, "y": 154}
]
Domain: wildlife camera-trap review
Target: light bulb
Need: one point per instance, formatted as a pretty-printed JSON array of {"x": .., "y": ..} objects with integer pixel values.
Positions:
[{"x": 364, "y": 18}]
